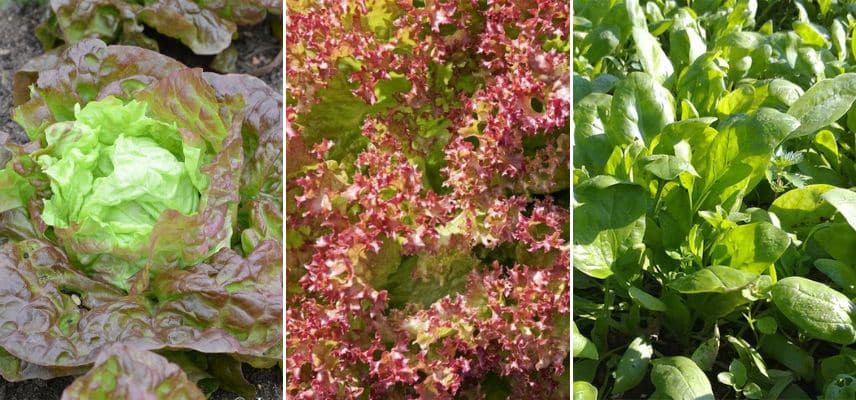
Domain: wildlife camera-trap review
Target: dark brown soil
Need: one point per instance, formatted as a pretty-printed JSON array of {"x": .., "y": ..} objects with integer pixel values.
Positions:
[
  {"x": 17, "y": 45},
  {"x": 256, "y": 48}
]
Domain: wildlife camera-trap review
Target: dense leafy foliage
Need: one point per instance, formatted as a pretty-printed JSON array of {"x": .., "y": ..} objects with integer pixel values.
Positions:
[
  {"x": 428, "y": 171},
  {"x": 205, "y": 27},
  {"x": 713, "y": 217},
  {"x": 143, "y": 215}
]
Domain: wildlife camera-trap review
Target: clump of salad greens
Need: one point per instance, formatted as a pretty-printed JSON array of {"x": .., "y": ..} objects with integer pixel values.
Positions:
[
  {"x": 714, "y": 215},
  {"x": 143, "y": 216}
]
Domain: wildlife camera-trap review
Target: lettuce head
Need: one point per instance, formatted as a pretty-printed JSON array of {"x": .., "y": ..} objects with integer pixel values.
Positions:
[{"x": 143, "y": 215}]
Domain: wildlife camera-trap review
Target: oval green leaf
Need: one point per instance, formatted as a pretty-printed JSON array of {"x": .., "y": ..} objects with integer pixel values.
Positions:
[
  {"x": 824, "y": 103},
  {"x": 646, "y": 300},
  {"x": 679, "y": 378},
  {"x": 584, "y": 391},
  {"x": 817, "y": 309},
  {"x": 633, "y": 365}
]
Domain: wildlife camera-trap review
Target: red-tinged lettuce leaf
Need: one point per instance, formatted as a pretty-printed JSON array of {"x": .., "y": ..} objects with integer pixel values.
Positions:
[
  {"x": 16, "y": 225},
  {"x": 262, "y": 132},
  {"x": 28, "y": 73},
  {"x": 186, "y": 99},
  {"x": 47, "y": 88},
  {"x": 200, "y": 29},
  {"x": 77, "y": 20},
  {"x": 113, "y": 21},
  {"x": 52, "y": 315},
  {"x": 124, "y": 372},
  {"x": 13, "y": 369},
  {"x": 261, "y": 179},
  {"x": 246, "y": 12},
  {"x": 242, "y": 296}
]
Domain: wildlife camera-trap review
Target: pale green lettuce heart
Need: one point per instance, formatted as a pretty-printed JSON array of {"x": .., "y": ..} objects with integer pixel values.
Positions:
[{"x": 113, "y": 172}]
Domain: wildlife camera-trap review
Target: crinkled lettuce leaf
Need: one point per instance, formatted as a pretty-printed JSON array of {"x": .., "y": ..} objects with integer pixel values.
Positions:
[
  {"x": 124, "y": 372},
  {"x": 53, "y": 315},
  {"x": 261, "y": 132}
]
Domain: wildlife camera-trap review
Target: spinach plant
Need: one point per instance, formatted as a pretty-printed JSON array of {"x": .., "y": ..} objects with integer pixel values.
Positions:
[{"x": 713, "y": 214}]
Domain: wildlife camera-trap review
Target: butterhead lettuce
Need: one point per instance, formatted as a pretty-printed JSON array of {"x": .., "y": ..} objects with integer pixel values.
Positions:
[{"x": 144, "y": 215}]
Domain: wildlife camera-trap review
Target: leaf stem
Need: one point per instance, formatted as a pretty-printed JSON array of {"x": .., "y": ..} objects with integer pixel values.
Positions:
[{"x": 657, "y": 198}]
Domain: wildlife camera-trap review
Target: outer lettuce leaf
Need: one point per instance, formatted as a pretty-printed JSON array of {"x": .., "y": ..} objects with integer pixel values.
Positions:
[
  {"x": 242, "y": 296},
  {"x": 123, "y": 372},
  {"x": 188, "y": 101},
  {"x": 229, "y": 305},
  {"x": 261, "y": 132},
  {"x": 14, "y": 190},
  {"x": 200, "y": 29},
  {"x": 13, "y": 369},
  {"x": 260, "y": 217},
  {"x": 104, "y": 19}
]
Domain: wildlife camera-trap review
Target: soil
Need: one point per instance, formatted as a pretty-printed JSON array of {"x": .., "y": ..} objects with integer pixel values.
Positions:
[
  {"x": 256, "y": 48},
  {"x": 18, "y": 44}
]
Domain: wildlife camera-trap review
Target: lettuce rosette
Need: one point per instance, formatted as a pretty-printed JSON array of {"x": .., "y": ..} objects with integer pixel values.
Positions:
[{"x": 144, "y": 213}]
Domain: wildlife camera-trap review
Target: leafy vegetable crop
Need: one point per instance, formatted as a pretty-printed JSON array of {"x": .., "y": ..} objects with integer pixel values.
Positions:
[
  {"x": 205, "y": 27},
  {"x": 142, "y": 217},
  {"x": 714, "y": 215},
  {"x": 427, "y": 168}
]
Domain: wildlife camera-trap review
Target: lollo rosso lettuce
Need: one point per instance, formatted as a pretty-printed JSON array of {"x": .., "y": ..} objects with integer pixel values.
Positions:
[{"x": 143, "y": 215}]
